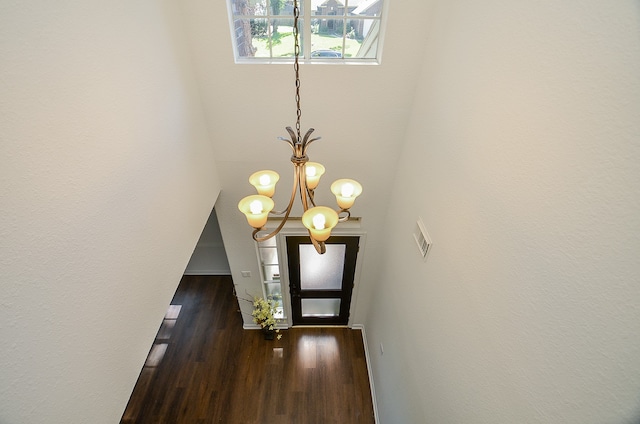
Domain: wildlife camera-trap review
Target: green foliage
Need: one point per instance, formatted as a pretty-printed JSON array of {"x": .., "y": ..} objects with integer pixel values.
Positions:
[
  {"x": 282, "y": 44},
  {"x": 258, "y": 27},
  {"x": 264, "y": 313},
  {"x": 276, "y": 7}
]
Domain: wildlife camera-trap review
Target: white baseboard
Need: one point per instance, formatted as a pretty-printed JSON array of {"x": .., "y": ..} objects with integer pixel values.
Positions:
[
  {"x": 367, "y": 358},
  {"x": 251, "y": 327}
]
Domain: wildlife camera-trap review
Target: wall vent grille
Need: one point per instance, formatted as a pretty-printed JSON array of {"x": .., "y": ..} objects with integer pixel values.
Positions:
[{"x": 422, "y": 239}]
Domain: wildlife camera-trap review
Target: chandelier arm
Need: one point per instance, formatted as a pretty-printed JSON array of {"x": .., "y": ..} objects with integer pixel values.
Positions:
[
  {"x": 286, "y": 212},
  {"x": 307, "y": 195},
  {"x": 321, "y": 248},
  {"x": 346, "y": 217},
  {"x": 304, "y": 191},
  {"x": 310, "y": 193}
]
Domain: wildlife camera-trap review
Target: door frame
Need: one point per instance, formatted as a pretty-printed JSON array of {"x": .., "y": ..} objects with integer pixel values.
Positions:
[
  {"x": 343, "y": 293},
  {"x": 284, "y": 269}
]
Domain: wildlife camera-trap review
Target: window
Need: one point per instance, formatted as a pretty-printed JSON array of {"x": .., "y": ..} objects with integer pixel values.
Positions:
[
  {"x": 270, "y": 274},
  {"x": 342, "y": 31}
]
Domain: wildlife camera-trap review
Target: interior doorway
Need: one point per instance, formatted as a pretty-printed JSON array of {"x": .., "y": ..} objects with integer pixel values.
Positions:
[
  {"x": 209, "y": 256},
  {"x": 321, "y": 285}
]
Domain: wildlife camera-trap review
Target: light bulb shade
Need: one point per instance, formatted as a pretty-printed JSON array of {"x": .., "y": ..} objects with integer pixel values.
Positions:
[
  {"x": 312, "y": 223},
  {"x": 256, "y": 208},
  {"x": 313, "y": 172},
  {"x": 265, "y": 182},
  {"x": 346, "y": 191}
]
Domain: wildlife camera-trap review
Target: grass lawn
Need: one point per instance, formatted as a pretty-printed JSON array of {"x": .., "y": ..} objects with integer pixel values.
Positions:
[{"x": 283, "y": 45}]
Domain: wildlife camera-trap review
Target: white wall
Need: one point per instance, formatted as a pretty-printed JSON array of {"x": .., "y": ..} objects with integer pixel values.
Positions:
[
  {"x": 106, "y": 181},
  {"x": 522, "y": 159}
]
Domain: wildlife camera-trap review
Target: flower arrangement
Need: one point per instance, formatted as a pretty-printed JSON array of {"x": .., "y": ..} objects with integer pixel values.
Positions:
[{"x": 264, "y": 314}]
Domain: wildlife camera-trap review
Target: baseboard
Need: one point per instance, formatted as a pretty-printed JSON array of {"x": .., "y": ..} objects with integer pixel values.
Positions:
[
  {"x": 250, "y": 326},
  {"x": 368, "y": 359}
]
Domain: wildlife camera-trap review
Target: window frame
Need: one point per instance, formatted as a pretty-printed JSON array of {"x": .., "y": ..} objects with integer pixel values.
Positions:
[{"x": 305, "y": 33}]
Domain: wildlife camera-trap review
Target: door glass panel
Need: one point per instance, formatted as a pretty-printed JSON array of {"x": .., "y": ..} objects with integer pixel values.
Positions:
[
  {"x": 321, "y": 272},
  {"x": 320, "y": 307}
]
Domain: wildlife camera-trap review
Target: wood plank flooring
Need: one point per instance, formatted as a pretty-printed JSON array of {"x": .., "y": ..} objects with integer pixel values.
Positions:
[{"x": 204, "y": 368}]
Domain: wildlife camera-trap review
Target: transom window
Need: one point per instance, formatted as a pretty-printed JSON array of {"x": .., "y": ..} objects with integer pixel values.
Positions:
[{"x": 330, "y": 30}]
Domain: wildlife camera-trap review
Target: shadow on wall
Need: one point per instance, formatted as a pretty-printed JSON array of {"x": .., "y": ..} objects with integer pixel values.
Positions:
[{"x": 209, "y": 256}]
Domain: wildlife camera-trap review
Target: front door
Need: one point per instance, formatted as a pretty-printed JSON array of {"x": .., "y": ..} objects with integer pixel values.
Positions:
[{"x": 321, "y": 285}]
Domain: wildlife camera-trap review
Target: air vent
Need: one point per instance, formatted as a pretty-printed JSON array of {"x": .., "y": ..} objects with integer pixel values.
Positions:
[{"x": 422, "y": 238}]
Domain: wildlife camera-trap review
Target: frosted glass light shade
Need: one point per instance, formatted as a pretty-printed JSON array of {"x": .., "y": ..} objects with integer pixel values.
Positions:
[
  {"x": 256, "y": 215},
  {"x": 313, "y": 172},
  {"x": 346, "y": 191},
  {"x": 330, "y": 221},
  {"x": 265, "y": 182}
]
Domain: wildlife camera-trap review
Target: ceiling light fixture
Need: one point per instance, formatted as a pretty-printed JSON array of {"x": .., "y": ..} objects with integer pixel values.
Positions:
[{"x": 319, "y": 220}]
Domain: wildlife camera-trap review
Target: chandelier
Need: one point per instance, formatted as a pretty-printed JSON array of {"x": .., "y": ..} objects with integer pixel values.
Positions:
[{"x": 319, "y": 220}]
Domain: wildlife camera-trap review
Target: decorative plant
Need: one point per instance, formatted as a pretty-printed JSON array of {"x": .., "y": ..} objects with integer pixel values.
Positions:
[{"x": 264, "y": 314}]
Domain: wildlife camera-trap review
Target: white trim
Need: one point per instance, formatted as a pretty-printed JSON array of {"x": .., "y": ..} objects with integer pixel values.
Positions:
[
  {"x": 368, "y": 361},
  {"x": 251, "y": 326},
  {"x": 357, "y": 273},
  {"x": 307, "y": 18},
  {"x": 301, "y": 61},
  {"x": 284, "y": 274}
]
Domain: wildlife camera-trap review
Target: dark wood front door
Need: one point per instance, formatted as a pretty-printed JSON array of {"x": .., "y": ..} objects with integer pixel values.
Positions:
[{"x": 321, "y": 285}]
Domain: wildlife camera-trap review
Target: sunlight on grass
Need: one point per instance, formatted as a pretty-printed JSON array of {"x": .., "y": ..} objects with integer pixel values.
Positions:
[{"x": 283, "y": 44}]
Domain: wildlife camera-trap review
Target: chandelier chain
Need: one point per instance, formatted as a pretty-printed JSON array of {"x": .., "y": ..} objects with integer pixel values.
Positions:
[{"x": 296, "y": 65}]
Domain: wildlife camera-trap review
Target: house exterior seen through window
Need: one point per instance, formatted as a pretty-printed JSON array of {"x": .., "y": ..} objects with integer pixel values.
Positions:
[{"x": 340, "y": 31}]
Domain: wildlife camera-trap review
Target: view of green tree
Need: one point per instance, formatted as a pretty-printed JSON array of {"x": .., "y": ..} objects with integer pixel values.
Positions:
[
  {"x": 282, "y": 44},
  {"x": 276, "y": 7}
]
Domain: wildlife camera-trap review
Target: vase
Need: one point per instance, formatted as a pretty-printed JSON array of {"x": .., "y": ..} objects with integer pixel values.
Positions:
[{"x": 268, "y": 334}]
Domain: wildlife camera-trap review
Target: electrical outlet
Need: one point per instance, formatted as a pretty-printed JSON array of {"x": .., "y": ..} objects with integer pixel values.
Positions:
[{"x": 246, "y": 273}]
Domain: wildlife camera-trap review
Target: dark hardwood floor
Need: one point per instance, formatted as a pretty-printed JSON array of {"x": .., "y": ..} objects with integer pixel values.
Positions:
[{"x": 204, "y": 368}]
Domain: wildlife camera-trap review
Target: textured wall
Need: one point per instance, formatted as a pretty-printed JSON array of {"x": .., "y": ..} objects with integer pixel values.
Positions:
[
  {"x": 106, "y": 181},
  {"x": 522, "y": 159}
]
